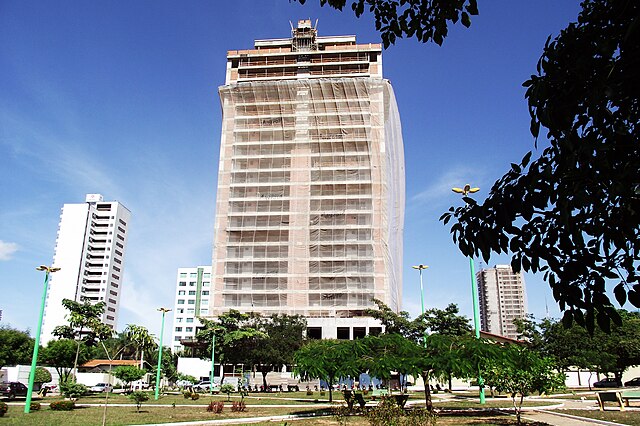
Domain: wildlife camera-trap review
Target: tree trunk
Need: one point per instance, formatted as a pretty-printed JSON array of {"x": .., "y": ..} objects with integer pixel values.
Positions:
[
  {"x": 427, "y": 391},
  {"x": 330, "y": 383},
  {"x": 264, "y": 379},
  {"x": 450, "y": 381}
]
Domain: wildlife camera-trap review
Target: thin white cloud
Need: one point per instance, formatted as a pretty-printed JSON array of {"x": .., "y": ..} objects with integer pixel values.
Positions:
[
  {"x": 7, "y": 250},
  {"x": 440, "y": 188}
]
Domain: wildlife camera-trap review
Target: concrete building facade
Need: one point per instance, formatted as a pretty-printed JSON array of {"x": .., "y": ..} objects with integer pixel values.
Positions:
[
  {"x": 193, "y": 293},
  {"x": 310, "y": 201},
  {"x": 502, "y": 300},
  {"x": 90, "y": 251}
]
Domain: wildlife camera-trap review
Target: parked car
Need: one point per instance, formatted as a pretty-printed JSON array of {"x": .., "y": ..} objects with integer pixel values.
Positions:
[
  {"x": 12, "y": 389},
  {"x": 633, "y": 382},
  {"x": 102, "y": 387},
  {"x": 608, "y": 382},
  {"x": 203, "y": 386}
]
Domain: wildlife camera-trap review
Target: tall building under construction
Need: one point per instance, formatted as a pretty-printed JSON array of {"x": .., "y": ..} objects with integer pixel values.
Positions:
[{"x": 310, "y": 201}]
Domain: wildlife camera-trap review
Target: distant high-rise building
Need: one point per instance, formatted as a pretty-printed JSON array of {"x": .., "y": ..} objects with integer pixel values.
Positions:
[
  {"x": 89, "y": 251},
  {"x": 310, "y": 201},
  {"x": 502, "y": 300},
  {"x": 193, "y": 293}
]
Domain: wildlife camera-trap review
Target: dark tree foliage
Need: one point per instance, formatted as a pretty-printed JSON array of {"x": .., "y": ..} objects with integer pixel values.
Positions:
[
  {"x": 573, "y": 213},
  {"x": 426, "y": 20},
  {"x": 16, "y": 346}
]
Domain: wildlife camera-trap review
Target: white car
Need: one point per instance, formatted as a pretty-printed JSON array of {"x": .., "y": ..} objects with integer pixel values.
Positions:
[{"x": 102, "y": 387}]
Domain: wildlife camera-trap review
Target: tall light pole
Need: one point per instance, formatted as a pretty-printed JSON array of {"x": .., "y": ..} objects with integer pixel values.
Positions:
[
  {"x": 465, "y": 191},
  {"x": 213, "y": 361},
  {"x": 164, "y": 311},
  {"x": 420, "y": 268},
  {"x": 34, "y": 359}
]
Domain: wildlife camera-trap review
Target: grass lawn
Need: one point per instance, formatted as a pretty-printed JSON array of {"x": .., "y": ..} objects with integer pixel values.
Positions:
[
  {"x": 127, "y": 415},
  {"x": 631, "y": 418}
]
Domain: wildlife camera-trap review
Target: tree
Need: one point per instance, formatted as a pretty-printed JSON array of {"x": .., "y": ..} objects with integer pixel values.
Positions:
[
  {"x": 574, "y": 212},
  {"x": 140, "y": 339},
  {"x": 129, "y": 374},
  {"x": 85, "y": 324},
  {"x": 447, "y": 321},
  {"x": 16, "y": 347},
  {"x": 227, "y": 388},
  {"x": 520, "y": 371},
  {"x": 603, "y": 352},
  {"x": 61, "y": 355},
  {"x": 282, "y": 336},
  {"x": 426, "y": 20},
  {"x": 234, "y": 332},
  {"x": 398, "y": 323},
  {"x": 139, "y": 397},
  {"x": 328, "y": 360}
]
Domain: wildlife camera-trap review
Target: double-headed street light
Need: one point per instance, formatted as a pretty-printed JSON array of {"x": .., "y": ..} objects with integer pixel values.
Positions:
[
  {"x": 164, "y": 311},
  {"x": 420, "y": 268},
  {"x": 34, "y": 359},
  {"x": 465, "y": 191}
]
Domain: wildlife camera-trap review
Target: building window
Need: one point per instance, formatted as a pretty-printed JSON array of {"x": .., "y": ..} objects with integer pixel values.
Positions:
[
  {"x": 179, "y": 320},
  {"x": 189, "y": 319},
  {"x": 206, "y": 275},
  {"x": 204, "y": 302},
  {"x": 192, "y": 284},
  {"x": 191, "y": 302},
  {"x": 188, "y": 329},
  {"x": 375, "y": 331},
  {"x": 359, "y": 332},
  {"x": 343, "y": 333},
  {"x": 205, "y": 284},
  {"x": 204, "y": 311},
  {"x": 180, "y": 301},
  {"x": 181, "y": 292},
  {"x": 178, "y": 328},
  {"x": 177, "y": 338},
  {"x": 191, "y": 311},
  {"x": 205, "y": 292},
  {"x": 183, "y": 275},
  {"x": 182, "y": 283},
  {"x": 192, "y": 292},
  {"x": 314, "y": 332},
  {"x": 193, "y": 275}
]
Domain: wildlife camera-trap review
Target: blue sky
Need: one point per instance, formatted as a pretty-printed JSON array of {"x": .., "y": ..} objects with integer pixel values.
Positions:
[{"x": 120, "y": 98}]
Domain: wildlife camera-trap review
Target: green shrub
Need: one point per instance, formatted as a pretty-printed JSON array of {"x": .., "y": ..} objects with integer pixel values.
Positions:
[
  {"x": 186, "y": 394},
  {"x": 195, "y": 396},
  {"x": 139, "y": 397},
  {"x": 3, "y": 408},
  {"x": 72, "y": 390},
  {"x": 309, "y": 392},
  {"x": 42, "y": 375},
  {"x": 35, "y": 406},
  {"x": 62, "y": 405}
]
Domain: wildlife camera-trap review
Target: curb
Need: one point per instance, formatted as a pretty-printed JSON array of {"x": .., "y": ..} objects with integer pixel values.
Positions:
[{"x": 584, "y": 419}]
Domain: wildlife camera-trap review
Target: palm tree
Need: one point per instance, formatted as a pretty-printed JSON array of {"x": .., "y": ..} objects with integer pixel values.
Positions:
[{"x": 139, "y": 336}]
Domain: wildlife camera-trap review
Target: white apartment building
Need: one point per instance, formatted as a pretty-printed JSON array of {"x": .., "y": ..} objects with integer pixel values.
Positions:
[
  {"x": 310, "y": 201},
  {"x": 193, "y": 292},
  {"x": 502, "y": 300},
  {"x": 90, "y": 249}
]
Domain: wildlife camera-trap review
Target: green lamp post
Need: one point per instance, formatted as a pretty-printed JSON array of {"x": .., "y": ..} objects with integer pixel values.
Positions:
[
  {"x": 34, "y": 359},
  {"x": 164, "y": 311},
  {"x": 420, "y": 268},
  {"x": 465, "y": 191}
]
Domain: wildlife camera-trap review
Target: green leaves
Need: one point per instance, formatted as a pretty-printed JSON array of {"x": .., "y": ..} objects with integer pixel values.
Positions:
[
  {"x": 574, "y": 211},
  {"x": 425, "y": 20}
]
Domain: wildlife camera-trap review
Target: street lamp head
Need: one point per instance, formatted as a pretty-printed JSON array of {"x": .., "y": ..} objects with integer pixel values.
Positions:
[
  {"x": 47, "y": 268},
  {"x": 466, "y": 190},
  {"x": 164, "y": 310},
  {"x": 420, "y": 267}
]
